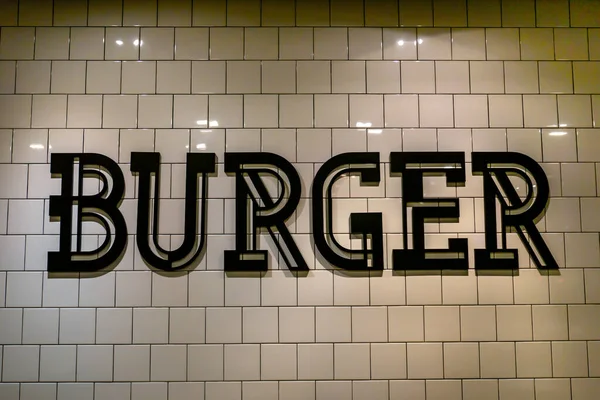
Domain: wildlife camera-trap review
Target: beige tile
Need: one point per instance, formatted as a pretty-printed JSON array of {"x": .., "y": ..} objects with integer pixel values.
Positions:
[
  {"x": 570, "y": 359},
  {"x": 585, "y": 75},
  {"x": 261, "y": 43},
  {"x": 521, "y": 77},
  {"x": 406, "y": 324},
  {"x": 534, "y": 360},
  {"x": 498, "y": 360},
  {"x": 552, "y": 13},
  {"x": 537, "y": 44},
  {"x": 487, "y": 77},
  {"x": 452, "y": 77},
  {"x": 442, "y": 324},
  {"x": 331, "y": 43},
  {"x": 461, "y": 360},
  {"x": 351, "y": 361},
  {"x": 571, "y": 44},
  {"x": 434, "y": 44},
  {"x": 518, "y": 13},
  {"x": 502, "y": 43},
  {"x": 399, "y": 44},
  {"x": 418, "y": 76},
  {"x": 425, "y": 360}
]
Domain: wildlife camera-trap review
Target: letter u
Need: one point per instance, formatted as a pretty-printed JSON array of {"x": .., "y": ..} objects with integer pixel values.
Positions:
[{"x": 148, "y": 164}]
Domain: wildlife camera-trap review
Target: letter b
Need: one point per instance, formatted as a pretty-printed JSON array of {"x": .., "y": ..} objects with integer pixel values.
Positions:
[{"x": 102, "y": 208}]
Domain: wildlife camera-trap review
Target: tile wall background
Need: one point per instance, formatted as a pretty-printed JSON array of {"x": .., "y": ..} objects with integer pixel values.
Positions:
[{"x": 306, "y": 79}]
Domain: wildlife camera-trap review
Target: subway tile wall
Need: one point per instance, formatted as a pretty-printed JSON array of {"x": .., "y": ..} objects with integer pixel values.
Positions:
[{"x": 306, "y": 79}]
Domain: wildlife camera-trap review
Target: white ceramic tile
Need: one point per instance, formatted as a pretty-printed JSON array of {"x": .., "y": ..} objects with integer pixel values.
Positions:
[
  {"x": 552, "y": 13},
  {"x": 434, "y": 43},
  {"x": 119, "y": 112},
  {"x": 243, "y": 13},
  {"x": 87, "y": 43},
  {"x": 498, "y": 360},
  {"x": 418, "y": 14},
  {"x": 470, "y": 111},
  {"x": 521, "y": 77},
  {"x": 537, "y": 44},
  {"x": 584, "y": 75},
  {"x": 331, "y": 111},
  {"x": 226, "y": 111},
  {"x": 399, "y": 44},
  {"x": 122, "y": 44},
  {"x": 156, "y": 43},
  {"x": 348, "y": 77},
  {"x": 495, "y": 291},
  {"x": 261, "y": 44},
  {"x": 138, "y": 77},
  {"x": 296, "y": 111},
  {"x": 242, "y": 362},
  {"x": 452, "y": 77},
  {"x": 331, "y": 43},
  {"x": 278, "y": 361},
  {"x": 261, "y": 111},
  {"x": 401, "y": 111},
  {"x": 417, "y": 76},
  {"x": 49, "y": 111},
  {"x": 436, "y": 111},
  {"x": 33, "y": 77},
  {"x": 540, "y": 111},
  {"x": 295, "y": 43},
  {"x": 468, "y": 44},
  {"x": 365, "y": 44},
  {"x": 208, "y": 77},
  {"x": 52, "y": 44},
  {"x": 278, "y": 13},
  {"x": 533, "y": 360},
  {"x": 574, "y": 111},
  {"x": 173, "y": 77},
  {"x": 366, "y": 111},
  {"x": 559, "y": 145},
  {"x": 260, "y": 325},
  {"x": 103, "y": 77},
  {"x": 425, "y": 360},
  {"x": 191, "y": 43},
  {"x": 502, "y": 44},
  {"x": 351, "y": 361},
  {"x": 15, "y": 111},
  {"x": 571, "y": 44},
  {"x": 7, "y": 77},
  {"x": 381, "y": 14},
  {"x": 21, "y": 364},
  {"x": 487, "y": 77},
  {"x": 555, "y": 77},
  {"x": 505, "y": 111},
  {"x": 177, "y": 13},
  {"x": 168, "y": 363},
  {"x": 347, "y": 13},
  {"x": 383, "y": 77},
  {"x": 17, "y": 43},
  {"x": 226, "y": 43}
]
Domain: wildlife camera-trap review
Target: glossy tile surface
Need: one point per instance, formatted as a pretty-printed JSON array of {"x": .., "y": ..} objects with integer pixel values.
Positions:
[{"x": 305, "y": 79}]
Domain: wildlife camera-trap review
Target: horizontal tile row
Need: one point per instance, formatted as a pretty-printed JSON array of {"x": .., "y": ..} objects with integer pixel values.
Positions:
[
  {"x": 483, "y": 323},
  {"x": 301, "y": 13},
  {"x": 299, "y": 43},
  {"x": 274, "y": 362},
  {"x": 448, "y": 389},
  {"x": 302, "y": 77},
  {"x": 299, "y": 111},
  {"x": 302, "y": 147},
  {"x": 321, "y": 287}
]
